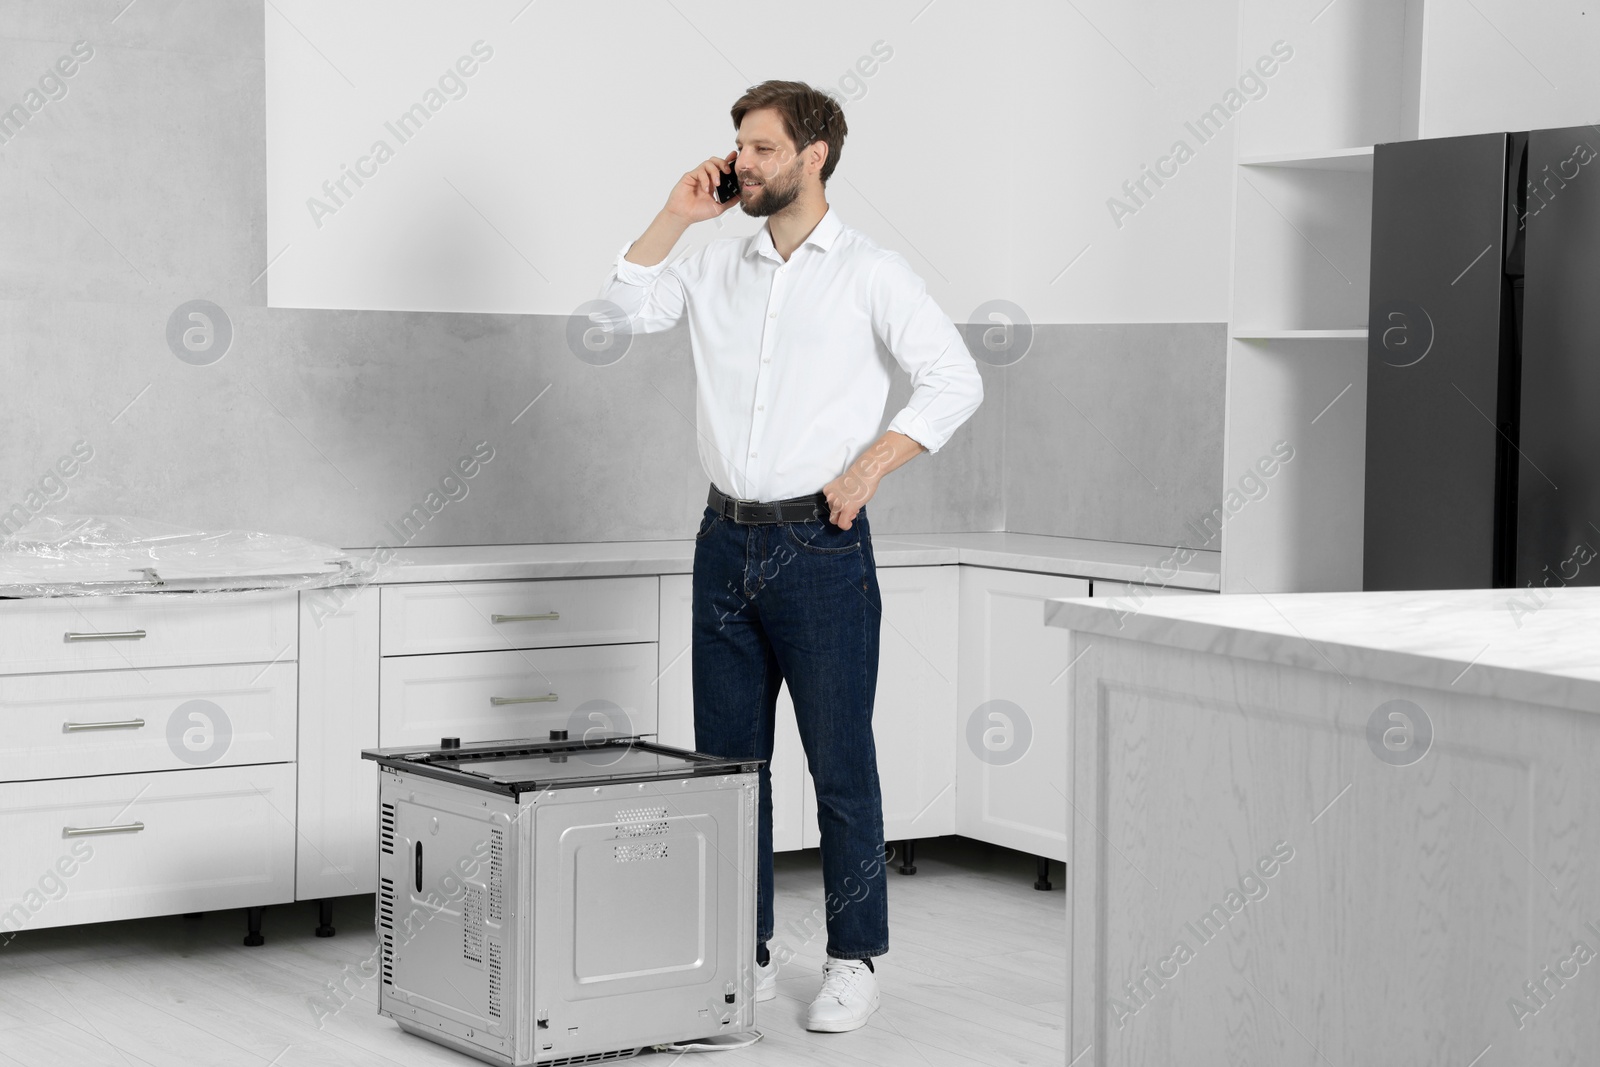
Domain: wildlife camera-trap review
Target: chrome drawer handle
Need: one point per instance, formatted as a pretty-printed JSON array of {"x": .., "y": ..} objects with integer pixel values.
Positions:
[
  {"x": 126, "y": 724},
  {"x": 497, "y": 701},
  {"x": 85, "y": 831},
  {"x": 122, "y": 635},
  {"x": 525, "y": 618}
]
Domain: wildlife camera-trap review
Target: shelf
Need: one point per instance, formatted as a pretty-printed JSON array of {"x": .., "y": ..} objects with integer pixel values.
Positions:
[
  {"x": 1300, "y": 335},
  {"x": 1348, "y": 159}
]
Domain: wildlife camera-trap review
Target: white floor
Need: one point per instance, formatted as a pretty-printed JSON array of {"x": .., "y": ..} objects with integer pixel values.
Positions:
[{"x": 975, "y": 974}]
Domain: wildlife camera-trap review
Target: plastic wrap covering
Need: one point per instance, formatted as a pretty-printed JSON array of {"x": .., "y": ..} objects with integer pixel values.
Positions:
[{"x": 83, "y": 555}]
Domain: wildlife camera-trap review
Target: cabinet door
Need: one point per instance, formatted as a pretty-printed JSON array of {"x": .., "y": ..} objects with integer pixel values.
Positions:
[
  {"x": 675, "y": 696},
  {"x": 338, "y": 790},
  {"x": 1015, "y": 711},
  {"x": 914, "y": 709},
  {"x": 497, "y": 696}
]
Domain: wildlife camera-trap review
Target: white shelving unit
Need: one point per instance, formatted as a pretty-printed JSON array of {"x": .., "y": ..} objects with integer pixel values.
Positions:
[
  {"x": 1301, "y": 249},
  {"x": 1299, "y": 335},
  {"x": 1357, "y": 160}
]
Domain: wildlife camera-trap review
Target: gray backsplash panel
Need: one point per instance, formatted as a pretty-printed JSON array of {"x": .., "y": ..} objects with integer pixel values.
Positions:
[
  {"x": 337, "y": 425},
  {"x": 1114, "y": 431}
]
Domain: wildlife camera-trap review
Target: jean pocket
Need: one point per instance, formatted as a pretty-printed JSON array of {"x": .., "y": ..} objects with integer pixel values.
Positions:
[
  {"x": 708, "y": 520},
  {"x": 821, "y": 537}
]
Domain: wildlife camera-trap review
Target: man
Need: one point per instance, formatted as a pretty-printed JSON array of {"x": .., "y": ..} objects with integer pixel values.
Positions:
[{"x": 793, "y": 330}]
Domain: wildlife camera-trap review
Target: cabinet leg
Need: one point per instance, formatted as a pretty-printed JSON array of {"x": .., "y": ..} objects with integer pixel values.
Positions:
[
  {"x": 253, "y": 921},
  {"x": 325, "y": 918},
  {"x": 908, "y": 856},
  {"x": 1043, "y": 869}
]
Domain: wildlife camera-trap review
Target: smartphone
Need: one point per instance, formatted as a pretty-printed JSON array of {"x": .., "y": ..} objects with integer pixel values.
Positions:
[{"x": 728, "y": 188}]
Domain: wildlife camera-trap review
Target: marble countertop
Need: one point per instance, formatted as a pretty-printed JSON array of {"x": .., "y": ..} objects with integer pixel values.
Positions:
[
  {"x": 1501, "y": 643},
  {"x": 1105, "y": 560}
]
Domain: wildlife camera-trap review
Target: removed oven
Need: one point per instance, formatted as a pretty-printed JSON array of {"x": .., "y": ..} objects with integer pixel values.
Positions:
[{"x": 549, "y": 902}]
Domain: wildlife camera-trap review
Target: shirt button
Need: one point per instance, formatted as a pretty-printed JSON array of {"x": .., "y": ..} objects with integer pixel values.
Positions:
[
  {"x": 766, "y": 359},
  {"x": 773, "y": 315},
  {"x": 761, "y": 407}
]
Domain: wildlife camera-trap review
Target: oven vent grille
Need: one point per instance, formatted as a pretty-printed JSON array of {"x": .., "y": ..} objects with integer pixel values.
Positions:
[
  {"x": 386, "y": 921},
  {"x": 494, "y": 979},
  {"x": 644, "y": 850},
  {"x": 472, "y": 926},
  {"x": 593, "y": 1057},
  {"x": 497, "y": 861},
  {"x": 641, "y": 822}
]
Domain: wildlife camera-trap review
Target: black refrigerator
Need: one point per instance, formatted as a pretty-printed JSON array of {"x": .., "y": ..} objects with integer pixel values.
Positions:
[{"x": 1483, "y": 362}]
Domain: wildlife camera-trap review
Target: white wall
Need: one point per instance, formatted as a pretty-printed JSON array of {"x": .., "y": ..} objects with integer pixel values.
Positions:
[{"x": 985, "y": 149}]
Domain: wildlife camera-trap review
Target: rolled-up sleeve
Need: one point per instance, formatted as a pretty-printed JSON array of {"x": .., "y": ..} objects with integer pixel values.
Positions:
[
  {"x": 651, "y": 297},
  {"x": 946, "y": 387}
]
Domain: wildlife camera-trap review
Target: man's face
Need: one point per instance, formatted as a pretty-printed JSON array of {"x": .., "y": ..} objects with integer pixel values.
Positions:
[{"x": 771, "y": 174}]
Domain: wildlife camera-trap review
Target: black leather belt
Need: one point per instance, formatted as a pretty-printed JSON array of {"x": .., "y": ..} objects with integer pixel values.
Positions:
[{"x": 794, "y": 509}]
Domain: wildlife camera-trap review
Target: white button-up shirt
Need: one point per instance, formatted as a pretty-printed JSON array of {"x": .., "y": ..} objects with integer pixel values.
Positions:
[{"x": 792, "y": 359}]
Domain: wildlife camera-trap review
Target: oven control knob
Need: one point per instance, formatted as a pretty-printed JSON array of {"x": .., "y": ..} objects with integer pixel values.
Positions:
[
  {"x": 449, "y": 742},
  {"x": 558, "y": 735}
]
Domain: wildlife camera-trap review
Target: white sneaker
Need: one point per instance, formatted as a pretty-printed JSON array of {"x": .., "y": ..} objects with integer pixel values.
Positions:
[
  {"x": 849, "y": 994},
  {"x": 767, "y": 980}
]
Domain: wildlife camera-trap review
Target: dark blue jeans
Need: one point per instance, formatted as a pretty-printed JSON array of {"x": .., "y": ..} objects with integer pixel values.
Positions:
[{"x": 798, "y": 602}]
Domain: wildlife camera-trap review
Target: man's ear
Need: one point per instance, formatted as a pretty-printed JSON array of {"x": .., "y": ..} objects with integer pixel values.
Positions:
[{"x": 819, "y": 156}]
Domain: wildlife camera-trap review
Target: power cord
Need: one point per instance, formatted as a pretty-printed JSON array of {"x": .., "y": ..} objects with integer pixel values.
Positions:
[{"x": 710, "y": 1044}]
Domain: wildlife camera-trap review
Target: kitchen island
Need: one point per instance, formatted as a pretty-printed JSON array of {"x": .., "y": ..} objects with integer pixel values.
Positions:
[{"x": 1335, "y": 828}]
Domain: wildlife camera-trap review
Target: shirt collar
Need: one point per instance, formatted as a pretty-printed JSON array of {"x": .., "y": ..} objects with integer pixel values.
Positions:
[{"x": 822, "y": 235}]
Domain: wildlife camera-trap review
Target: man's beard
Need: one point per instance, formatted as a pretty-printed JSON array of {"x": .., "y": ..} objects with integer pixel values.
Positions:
[{"x": 769, "y": 199}]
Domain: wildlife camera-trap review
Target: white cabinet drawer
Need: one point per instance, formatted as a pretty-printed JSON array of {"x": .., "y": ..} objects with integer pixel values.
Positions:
[
  {"x": 144, "y": 630},
  {"x": 495, "y": 696},
  {"x": 487, "y": 616},
  {"x": 164, "y": 718},
  {"x": 211, "y": 838}
]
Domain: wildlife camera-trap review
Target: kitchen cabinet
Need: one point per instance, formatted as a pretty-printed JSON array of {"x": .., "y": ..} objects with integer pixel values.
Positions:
[
  {"x": 135, "y": 631},
  {"x": 491, "y": 696},
  {"x": 338, "y": 790},
  {"x": 81, "y": 723},
  {"x": 540, "y": 613},
  {"x": 488, "y": 661},
  {"x": 914, "y": 709},
  {"x": 151, "y": 756},
  {"x": 302, "y": 690},
  {"x": 126, "y": 846},
  {"x": 1014, "y": 711}
]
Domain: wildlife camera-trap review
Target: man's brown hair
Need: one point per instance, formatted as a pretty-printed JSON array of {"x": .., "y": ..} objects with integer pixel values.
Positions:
[{"x": 808, "y": 115}]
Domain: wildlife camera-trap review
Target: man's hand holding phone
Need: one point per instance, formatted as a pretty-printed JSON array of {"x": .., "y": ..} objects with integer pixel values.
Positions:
[
  {"x": 706, "y": 191},
  {"x": 694, "y": 199}
]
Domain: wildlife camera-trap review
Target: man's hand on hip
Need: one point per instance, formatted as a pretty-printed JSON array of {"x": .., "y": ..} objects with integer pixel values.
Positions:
[{"x": 849, "y": 493}]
